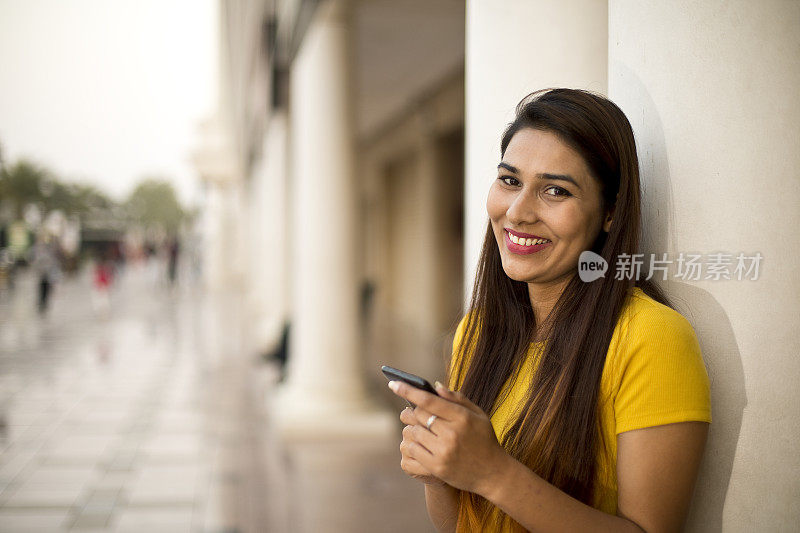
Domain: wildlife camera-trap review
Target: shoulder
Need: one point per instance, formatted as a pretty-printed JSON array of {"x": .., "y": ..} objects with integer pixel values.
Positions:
[
  {"x": 648, "y": 329},
  {"x": 645, "y": 318},
  {"x": 460, "y": 352},
  {"x": 658, "y": 371},
  {"x": 462, "y": 324},
  {"x": 461, "y": 329}
]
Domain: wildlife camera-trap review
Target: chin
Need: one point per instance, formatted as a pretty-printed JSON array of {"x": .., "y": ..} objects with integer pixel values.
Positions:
[{"x": 518, "y": 275}]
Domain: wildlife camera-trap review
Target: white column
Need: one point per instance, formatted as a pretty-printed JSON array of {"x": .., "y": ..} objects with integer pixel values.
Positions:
[
  {"x": 220, "y": 311},
  {"x": 515, "y": 47},
  {"x": 269, "y": 222},
  {"x": 224, "y": 254},
  {"x": 325, "y": 391},
  {"x": 223, "y": 263},
  {"x": 711, "y": 91},
  {"x": 213, "y": 255}
]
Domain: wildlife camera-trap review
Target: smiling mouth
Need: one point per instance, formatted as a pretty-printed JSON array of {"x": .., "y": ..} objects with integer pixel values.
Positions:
[
  {"x": 521, "y": 246},
  {"x": 525, "y": 242}
]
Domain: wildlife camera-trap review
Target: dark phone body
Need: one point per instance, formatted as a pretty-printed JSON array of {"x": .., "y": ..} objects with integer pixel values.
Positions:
[{"x": 393, "y": 374}]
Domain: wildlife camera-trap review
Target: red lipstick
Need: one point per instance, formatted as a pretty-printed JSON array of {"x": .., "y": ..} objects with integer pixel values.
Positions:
[
  {"x": 521, "y": 249},
  {"x": 524, "y": 235}
]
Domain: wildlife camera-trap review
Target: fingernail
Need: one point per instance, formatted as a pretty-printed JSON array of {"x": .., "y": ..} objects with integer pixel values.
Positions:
[
  {"x": 393, "y": 386},
  {"x": 438, "y": 385}
]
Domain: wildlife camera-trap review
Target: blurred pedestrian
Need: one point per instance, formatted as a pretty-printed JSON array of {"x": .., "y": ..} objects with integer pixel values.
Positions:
[
  {"x": 103, "y": 277},
  {"x": 173, "y": 250},
  {"x": 44, "y": 261}
]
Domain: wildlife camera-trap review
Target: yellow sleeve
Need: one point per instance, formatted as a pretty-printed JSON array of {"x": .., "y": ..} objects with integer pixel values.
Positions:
[
  {"x": 660, "y": 372},
  {"x": 454, "y": 359}
]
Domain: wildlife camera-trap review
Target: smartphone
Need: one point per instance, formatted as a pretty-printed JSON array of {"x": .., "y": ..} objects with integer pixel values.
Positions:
[{"x": 393, "y": 374}]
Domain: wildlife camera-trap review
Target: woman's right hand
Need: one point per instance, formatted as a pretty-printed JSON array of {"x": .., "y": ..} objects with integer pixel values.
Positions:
[{"x": 410, "y": 465}]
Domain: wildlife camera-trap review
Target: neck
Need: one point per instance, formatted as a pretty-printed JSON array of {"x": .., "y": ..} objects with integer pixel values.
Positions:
[{"x": 544, "y": 297}]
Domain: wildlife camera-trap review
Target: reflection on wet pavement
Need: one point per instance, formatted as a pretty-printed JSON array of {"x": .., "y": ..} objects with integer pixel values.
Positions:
[{"x": 150, "y": 418}]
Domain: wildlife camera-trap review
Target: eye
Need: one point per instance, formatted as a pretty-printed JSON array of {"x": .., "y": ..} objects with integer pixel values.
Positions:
[
  {"x": 560, "y": 192},
  {"x": 504, "y": 178}
]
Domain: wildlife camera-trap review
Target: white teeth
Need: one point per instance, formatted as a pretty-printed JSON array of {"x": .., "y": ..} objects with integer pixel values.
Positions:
[{"x": 525, "y": 242}]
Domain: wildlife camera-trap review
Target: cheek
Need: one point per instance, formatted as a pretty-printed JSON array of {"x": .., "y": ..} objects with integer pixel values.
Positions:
[
  {"x": 495, "y": 206},
  {"x": 568, "y": 224},
  {"x": 576, "y": 226}
]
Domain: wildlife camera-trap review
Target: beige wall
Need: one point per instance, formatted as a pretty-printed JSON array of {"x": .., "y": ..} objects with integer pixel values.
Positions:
[{"x": 711, "y": 89}]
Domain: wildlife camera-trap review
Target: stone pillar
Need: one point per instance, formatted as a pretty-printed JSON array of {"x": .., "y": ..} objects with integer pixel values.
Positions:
[
  {"x": 325, "y": 392},
  {"x": 213, "y": 255},
  {"x": 515, "y": 47},
  {"x": 270, "y": 212},
  {"x": 223, "y": 261},
  {"x": 711, "y": 91}
]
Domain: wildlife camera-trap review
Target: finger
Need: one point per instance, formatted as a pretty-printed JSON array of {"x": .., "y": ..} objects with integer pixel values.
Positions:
[
  {"x": 413, "y": 467},
  {"x": 417, "y": 417},
  {"x": 423, "y": 437},
  {"x": 407, "y": 417},
  {"x": 421, "y": 418},
  {"x": 430, "y": 402},
  {"x": 456, "y": 397},
  {"x": 424, "y": 458},
  {"x": 410, "y": 444}
]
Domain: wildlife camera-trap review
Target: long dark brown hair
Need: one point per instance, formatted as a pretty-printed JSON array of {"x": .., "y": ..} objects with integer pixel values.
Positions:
[{"x": 557, "y": 434}]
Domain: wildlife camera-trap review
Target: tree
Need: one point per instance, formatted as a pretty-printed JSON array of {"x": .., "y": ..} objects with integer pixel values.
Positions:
[
  {"x": 23, "y": 183},
  {"x": 153, "y": 203}
]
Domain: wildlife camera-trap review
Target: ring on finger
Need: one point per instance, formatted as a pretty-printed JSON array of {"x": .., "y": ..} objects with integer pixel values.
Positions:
[{"x": 431, "y": 420}]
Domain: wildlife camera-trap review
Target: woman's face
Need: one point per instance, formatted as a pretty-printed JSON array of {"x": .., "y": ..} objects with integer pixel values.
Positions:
[{"x": 544, "y": 189}]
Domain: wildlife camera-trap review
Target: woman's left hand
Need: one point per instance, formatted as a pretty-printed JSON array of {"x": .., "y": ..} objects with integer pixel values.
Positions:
[{"x": 461, "y": 447}]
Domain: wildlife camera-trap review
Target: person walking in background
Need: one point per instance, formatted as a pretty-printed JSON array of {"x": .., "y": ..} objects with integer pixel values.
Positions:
[
  {"x": 103, "y": 277},
  {"x": 44, "y": 260},
  {"x": 173, "y": 249}
]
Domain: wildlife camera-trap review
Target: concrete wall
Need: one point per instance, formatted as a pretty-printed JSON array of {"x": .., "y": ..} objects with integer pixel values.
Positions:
[{"x": 711, "y": 90}]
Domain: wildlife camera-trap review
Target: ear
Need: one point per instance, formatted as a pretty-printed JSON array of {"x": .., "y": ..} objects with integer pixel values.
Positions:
[
  {"x": 607, "y": 222},
  {"x": 610, "y": 216}
]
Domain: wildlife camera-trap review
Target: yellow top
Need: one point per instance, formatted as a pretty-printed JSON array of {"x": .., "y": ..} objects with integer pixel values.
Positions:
[{"x": 654, "y": 374}]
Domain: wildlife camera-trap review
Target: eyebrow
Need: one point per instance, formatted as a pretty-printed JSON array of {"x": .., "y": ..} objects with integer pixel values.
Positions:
[{"x": 546, "y": 175}]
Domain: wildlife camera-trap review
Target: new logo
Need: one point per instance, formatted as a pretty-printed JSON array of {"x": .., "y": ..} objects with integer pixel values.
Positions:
[{"x": 591, "y": 266}]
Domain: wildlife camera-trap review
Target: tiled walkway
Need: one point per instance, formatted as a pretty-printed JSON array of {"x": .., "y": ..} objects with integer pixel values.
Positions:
[{"x": 149, "y": 418}]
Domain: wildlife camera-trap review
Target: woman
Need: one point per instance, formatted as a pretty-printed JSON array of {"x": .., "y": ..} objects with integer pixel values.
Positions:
[{"x": 575, "y": 406}]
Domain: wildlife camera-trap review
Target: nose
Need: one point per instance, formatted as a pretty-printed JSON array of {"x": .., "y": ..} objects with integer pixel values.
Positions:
[{"x": 523, "y": 211}]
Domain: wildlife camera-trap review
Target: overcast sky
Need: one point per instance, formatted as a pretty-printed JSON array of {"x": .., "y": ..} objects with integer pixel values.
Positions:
[{"x": 107, "y": 91}]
